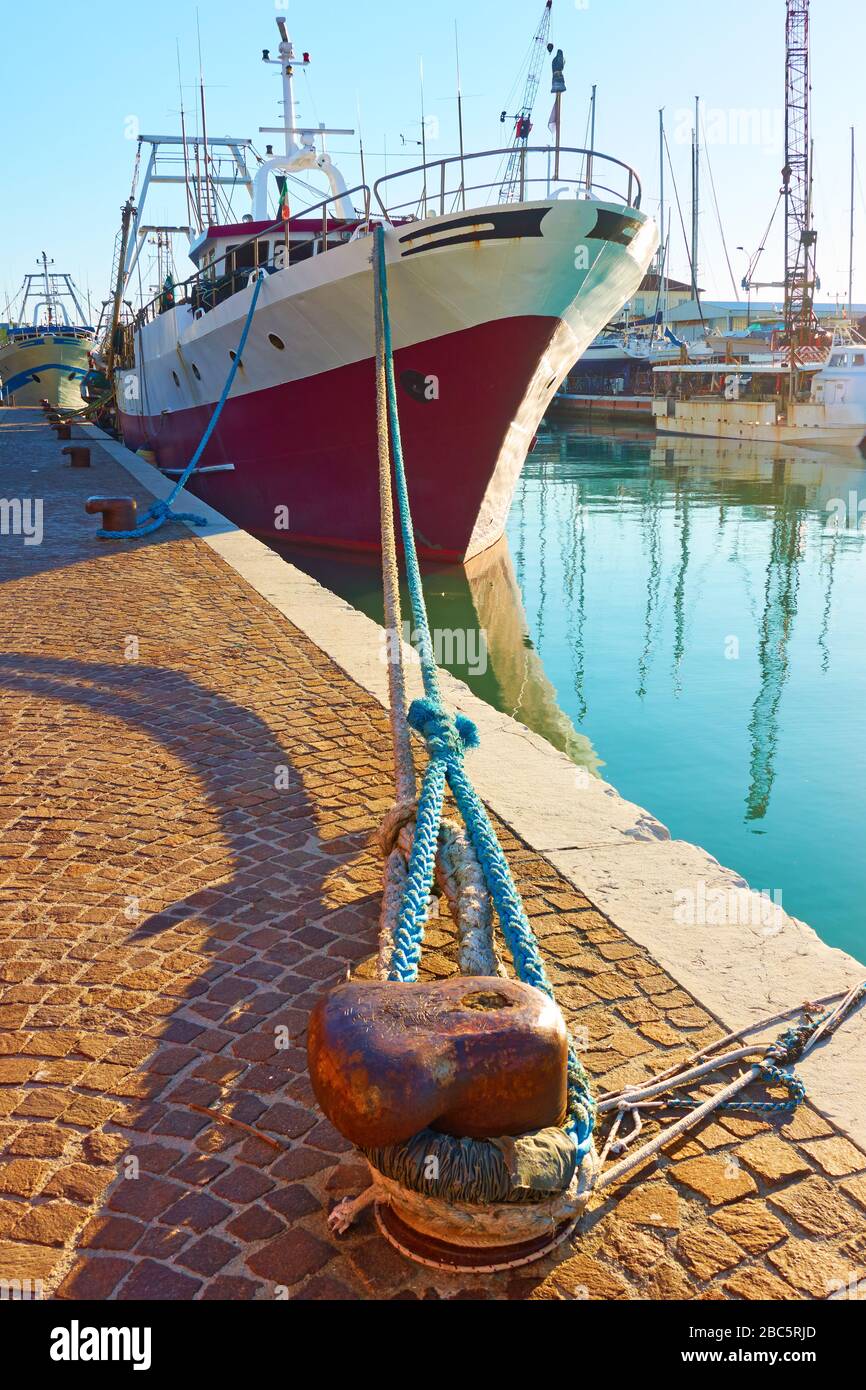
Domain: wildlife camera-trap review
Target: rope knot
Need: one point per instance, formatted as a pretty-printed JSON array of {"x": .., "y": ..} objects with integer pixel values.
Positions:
[{"x": 447, "y": 735}]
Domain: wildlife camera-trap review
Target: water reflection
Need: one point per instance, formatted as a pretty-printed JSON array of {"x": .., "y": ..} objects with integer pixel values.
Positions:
[
  {"x": 686, "y": 614},
  {"x": 480, "y": 633},
  {"x": 701, "y": 611}
]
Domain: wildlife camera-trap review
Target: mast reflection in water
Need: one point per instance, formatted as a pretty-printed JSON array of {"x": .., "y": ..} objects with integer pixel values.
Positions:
[{"x": 698, "y": 607}]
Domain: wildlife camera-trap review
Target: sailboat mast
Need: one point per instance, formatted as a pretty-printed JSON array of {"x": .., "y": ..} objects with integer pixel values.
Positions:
[
  {"x": 661, "y": 186},
  {"x": 851, "y": 237},
  {"x": 696, "y": 197}
]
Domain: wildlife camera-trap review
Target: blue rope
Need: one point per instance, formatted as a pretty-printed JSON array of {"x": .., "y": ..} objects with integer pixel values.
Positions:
[
  {"x": 447, "y": 738},
  {"x": 161, "y": 512}
]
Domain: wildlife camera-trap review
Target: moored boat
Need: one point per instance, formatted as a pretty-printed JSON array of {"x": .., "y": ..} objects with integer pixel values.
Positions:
[
  {"x": 44, "y": 351},
  {"x": 498, "y": 283}
]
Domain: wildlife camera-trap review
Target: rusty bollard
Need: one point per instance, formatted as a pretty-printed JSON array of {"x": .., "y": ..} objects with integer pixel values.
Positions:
[
  {"x": 79, "y": 455},
  {"x": 64, "y": 431},
  {"x": 118, "y": 513}
]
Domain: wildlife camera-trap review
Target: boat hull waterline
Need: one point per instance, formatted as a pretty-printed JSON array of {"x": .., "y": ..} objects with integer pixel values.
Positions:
[{"x": 484, "y": 329}]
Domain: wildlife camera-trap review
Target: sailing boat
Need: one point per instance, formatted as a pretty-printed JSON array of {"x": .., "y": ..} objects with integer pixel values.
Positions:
[
  {"x": 496, "y": 288},
  {"x": 44, "y": 350}
]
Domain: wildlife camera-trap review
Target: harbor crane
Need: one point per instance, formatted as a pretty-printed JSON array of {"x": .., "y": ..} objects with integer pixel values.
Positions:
[
  {"x": 511, "y": 183},
  {"x": 800, "y": 282}
]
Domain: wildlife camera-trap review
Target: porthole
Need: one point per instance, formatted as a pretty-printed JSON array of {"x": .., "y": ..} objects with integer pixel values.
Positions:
[
  {"x": 176, "y": 378},
  {"x": 196, "y": 373},
  {"x": 233, "y": 355},
  {"x": 71, "y": 376},
  {"x": 276, "y": 342},
  {"x": 35, "y": 377}
]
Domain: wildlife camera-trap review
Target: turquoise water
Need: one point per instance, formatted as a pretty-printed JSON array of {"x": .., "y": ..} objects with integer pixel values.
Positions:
[{"x": 687, "y": 617}]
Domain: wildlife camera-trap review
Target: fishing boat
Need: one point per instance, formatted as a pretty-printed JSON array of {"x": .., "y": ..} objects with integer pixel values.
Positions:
[
  {"x": 500, "y": 276},
  {"x": 794, "y": 398},
  {"x": 811, "y": 387},
  {"x": 44, "y": 348}
]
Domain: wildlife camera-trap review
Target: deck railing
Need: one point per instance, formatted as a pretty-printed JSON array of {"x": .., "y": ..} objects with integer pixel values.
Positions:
[{"x": 460, "y": 183}]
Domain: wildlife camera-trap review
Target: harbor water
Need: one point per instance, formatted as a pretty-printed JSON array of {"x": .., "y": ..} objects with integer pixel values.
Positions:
[{"x": 684, "y": 617}]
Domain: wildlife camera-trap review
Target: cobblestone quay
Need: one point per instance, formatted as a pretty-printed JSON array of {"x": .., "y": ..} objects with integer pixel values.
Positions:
[{"x": 187, "y": 796}]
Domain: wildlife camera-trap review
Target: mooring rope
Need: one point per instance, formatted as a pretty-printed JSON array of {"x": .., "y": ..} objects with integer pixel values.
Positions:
[
  {"x": 161, "y": 512},
  {"x": 447, "y": 738},
  {"x": 790, "y": 1047}
]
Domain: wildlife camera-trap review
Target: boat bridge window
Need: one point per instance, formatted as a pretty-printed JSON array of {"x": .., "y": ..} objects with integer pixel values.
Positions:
[
  {"x": 248, "y": 256},
  {"x": 859, "y": 359}
]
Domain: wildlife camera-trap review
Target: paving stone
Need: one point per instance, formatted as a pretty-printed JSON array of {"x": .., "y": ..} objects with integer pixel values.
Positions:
[
  {"x": 290, "y": 1257},
  {"x": 771, "y": 1159},
  {"x": 817, "y": 1206},
  {"x": 758, "y": 1284},
  {"x": 151, "y": 1280},
  {"x": 94, "y": 1277},
  {"x": 196, "y": 1210},
  {"x": 651, "y": 1204},
  {"x": 714, "y": 1178},
  {"x": 751, "y": 1225},
  {"x": 812, "y": 1269},
  {"x": 582, "y": 1278},
  {"x": 707, "y": 1251},
  {"x": 837, "y": 1157}
]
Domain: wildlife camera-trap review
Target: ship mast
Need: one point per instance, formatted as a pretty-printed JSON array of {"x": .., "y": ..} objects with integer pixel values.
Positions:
[{"x": 49, "y": 290}]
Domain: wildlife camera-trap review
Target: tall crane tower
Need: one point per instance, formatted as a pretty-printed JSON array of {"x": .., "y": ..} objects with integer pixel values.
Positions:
[
  {"x": 509, "y": 188},
  {"x": 800, "y": 236}
]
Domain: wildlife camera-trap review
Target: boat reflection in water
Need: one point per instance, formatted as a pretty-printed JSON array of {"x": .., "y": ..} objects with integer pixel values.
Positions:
[
  {"x": 479, "y": 630},
  {"x": 698, "y": 606}
]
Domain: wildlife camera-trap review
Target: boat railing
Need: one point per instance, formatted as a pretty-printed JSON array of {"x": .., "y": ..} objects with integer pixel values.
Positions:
[
  {"x": 458, "y": 183},
  {"x": 210, "y": 285}
]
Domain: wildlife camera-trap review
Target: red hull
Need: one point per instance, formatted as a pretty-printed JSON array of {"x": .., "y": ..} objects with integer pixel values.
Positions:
[{"x": 310, "y": 445}]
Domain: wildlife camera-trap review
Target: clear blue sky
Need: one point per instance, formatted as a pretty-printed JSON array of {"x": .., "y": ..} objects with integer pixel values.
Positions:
[{"x": 73, "y": 74}]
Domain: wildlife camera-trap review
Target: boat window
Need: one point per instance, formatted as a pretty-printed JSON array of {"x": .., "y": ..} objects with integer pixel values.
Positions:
[
  {"x": 196, "y": 373},
  {"x": 276, "y": 342},
  {"x": 176, "y": 378},
  {"x": 264, "y": 248},
  {"x": 241, "y": 257},
  {"x": 859, "y": 359}
]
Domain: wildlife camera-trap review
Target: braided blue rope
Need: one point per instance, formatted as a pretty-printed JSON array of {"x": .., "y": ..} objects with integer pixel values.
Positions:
[
  {"x": 161, "y": 512},
  {"x": 447, "y": 738}
]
